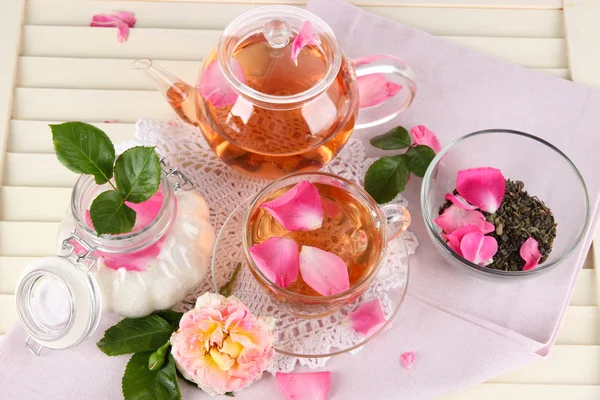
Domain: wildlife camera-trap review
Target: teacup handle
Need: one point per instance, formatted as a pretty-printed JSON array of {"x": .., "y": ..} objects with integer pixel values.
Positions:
[
  {"x": 397, "y": 219},
  {"x": 385, "y": 64}
]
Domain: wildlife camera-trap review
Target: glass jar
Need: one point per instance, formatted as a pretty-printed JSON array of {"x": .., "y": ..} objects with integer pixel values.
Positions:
[{"x": 60, "y": 298}]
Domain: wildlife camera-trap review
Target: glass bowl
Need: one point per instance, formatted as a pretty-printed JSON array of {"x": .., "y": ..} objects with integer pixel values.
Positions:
[{"x": 546, "y": 172}]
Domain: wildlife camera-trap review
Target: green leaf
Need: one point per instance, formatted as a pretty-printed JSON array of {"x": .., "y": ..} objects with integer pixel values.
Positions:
[
  {"x": 137, "y": 174},
  {"x": 84, "y": 149},
  {"x": 229, "y": 394},
  {"x": 172, "y": 317},
  {"x": 227, "y": 289},
  {"x": 386, "y": 178},
  {"x": 396, "y": 139},
  {"x": 110, "y": 214},
  {"x": 140, "y": 383},
  {"x": 134, "y": 335},
  {"x": 418, "y": 159}
]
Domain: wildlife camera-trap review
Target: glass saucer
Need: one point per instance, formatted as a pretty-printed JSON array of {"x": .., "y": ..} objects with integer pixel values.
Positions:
[{"x": 308, "y": 337}]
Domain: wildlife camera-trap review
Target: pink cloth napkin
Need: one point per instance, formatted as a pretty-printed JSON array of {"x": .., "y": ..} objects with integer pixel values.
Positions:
[{"x": 462, "y": 330}]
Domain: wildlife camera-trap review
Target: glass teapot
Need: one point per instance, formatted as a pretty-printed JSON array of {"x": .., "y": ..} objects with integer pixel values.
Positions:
[{"x": 277, "y": 95}]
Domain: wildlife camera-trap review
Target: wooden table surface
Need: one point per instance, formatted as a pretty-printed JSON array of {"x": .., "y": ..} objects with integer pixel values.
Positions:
[{"x": 54, "y": 67}]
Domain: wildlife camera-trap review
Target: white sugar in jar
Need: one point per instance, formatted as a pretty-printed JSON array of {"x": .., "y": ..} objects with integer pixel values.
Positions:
[{"x": 60, "y": 298}]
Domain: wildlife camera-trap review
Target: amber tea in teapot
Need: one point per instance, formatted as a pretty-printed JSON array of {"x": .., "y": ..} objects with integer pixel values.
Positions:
[{"x": 269, "y": 109}]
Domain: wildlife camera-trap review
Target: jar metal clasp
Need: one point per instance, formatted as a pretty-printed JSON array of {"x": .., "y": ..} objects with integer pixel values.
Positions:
[{"x": 178, "y": 179}]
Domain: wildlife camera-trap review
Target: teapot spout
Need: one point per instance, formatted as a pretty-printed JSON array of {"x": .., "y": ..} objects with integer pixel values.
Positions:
[{"x": 178, "y": 94}]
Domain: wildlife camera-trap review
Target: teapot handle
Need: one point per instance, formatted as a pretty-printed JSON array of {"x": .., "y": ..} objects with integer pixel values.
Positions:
[{"x": 384, "y": 96}]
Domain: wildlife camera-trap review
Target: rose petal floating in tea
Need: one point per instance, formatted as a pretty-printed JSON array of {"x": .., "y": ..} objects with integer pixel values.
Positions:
[
  {"x": 215, "y": 88},
  {"x": 332, "y": 209},
  {"x": 306, "y": 36},
  {"x": 483, "y": 187},
  {"x": 375, "y": 89},
  {"x": 368, "y": 318},
  {"x": 278, "y": 259},
  {"x": 456, "y": 237},
  {"x": 304, "y": 385},
  {"x": 422, "y": 135},
  {"x": 530, "y": 253},
  {"x": 477, "y": 248},
  {"x": 299, "y": 209},
  {"x": 454, "y": 218},
  {"x": 323, "y": 271},
  {"x": 407, "y": 359},
  {"x": 122, "y": 20},
  {"x": 459, "y": 202}
]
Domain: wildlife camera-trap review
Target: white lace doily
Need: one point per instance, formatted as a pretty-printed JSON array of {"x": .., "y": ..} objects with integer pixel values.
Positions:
[{"x": 225, "y": 189}]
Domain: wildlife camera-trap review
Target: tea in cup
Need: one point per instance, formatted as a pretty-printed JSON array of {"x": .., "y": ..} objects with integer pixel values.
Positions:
[{"x": 315, "y": 241}]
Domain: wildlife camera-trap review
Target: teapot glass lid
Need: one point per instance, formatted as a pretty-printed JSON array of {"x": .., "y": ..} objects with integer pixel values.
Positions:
[{"x": 261, "y": 42}]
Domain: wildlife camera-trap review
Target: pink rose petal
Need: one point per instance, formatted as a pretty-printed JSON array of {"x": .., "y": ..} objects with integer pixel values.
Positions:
[
  {"x": 277, "y": 258},
  {"x": 306, "y": 36},
  {"x": 298, "y": 209},
  {"x": 127, "y": 17},
  {"x": 407, "y": 359},
  {"x": 122, "y": 20},
  {"x": 332, "y": 209},
  {"x": 123, "y": 31},
  {"x": 215, "y": 88},
  {"x": 323, "y": 271},
  {"x": 104, "y": 20},
  {"x": 368, "y": 318},
  {"x": 477, "y": 248},
  {"x": 454, "y": 218},
  {"x": 304, "y": 386},
  {"x": 456, "y": 237},
  {"x": 459, "y": 202},
  {"x": 357, "y": 62},
  {"x": 530, "y": 253},
  {"x": 374, "y": 89},
  {"x": 422, "y": 135},
  {"x": 482, "y": 187}
]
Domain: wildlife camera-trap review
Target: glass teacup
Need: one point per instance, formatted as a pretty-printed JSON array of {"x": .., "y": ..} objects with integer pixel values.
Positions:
[{"x": 355, "y": 228}]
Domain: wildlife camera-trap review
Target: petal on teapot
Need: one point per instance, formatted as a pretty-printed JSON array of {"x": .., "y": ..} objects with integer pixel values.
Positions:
[
  {"x": 375, "y": 89},
  {"x": 215, "y": 88},
  {"x": 306, "y": 36}
]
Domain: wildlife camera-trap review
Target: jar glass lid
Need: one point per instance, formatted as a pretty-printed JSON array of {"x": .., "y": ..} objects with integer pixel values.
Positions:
[{"x": 58, "y": 302}]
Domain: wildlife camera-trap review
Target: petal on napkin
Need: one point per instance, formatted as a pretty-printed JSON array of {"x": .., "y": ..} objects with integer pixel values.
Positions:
[
  {"x": 530, "y": 253},
  {"x": 483, "y": 187},
  {"x": 215, "y": 88},
  {"x": 374, "y": 89},
  {"x": 323, "y": 271},
  {"x": 407, "y": 359},
  {"x": 277, "y": 258},
  {"x": 332, "y": 209},
  {"x": 455, "y": 217},
  {"x": 422, "y": 135},
  {"x": 458, "y": 201},
  {"x": 368, "y": 318},
  {"x": 304, "y": 386},
  {"x": 298, "y": 209},
  {"x": 477, "y": 248},
  {"x": 456, "y": 237},
  {"x": 306, "y": 36}
]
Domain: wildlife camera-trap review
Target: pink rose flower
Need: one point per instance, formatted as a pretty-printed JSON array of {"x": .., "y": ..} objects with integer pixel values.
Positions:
[
  {"x": 221, "y": 346},
  {"x": 422, "y": 135}
]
